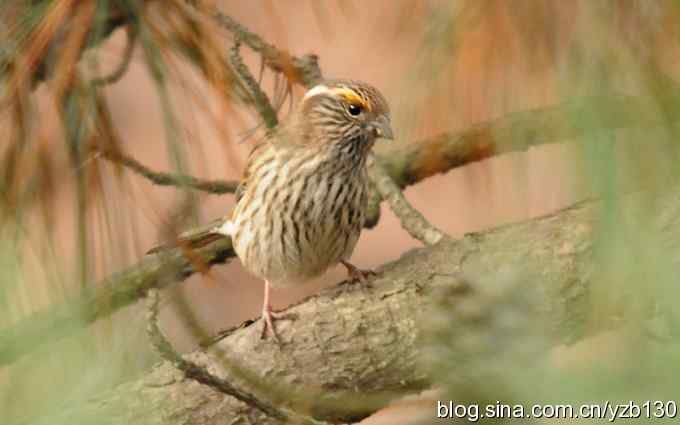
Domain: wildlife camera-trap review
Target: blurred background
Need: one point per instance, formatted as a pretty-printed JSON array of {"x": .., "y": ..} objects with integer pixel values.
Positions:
[{"x": 444, "y": 66}]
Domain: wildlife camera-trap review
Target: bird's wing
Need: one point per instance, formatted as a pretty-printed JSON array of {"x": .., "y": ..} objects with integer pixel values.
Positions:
[
  {"x": 272, "y": 141},
  {"x": 199, "y": 237},
  {"x": 257, "y": 150},
  {"x": 193, "y": 239}
]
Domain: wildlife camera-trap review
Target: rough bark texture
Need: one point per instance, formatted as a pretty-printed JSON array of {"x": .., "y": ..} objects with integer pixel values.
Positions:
[{"x": 363, "y": 341}]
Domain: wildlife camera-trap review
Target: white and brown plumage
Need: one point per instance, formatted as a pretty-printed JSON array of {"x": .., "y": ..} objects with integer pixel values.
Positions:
[{"x": 301, "y": 206}]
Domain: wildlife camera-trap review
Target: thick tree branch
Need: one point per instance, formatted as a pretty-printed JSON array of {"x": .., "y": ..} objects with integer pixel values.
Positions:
[
  {"x": 200, "y": 374},
  {"x": 406, "y": 165},
  {"x": 351, "y": 350}
]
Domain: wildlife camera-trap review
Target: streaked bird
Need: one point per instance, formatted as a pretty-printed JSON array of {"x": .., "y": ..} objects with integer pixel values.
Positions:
[{"x": 302, "y": 201}]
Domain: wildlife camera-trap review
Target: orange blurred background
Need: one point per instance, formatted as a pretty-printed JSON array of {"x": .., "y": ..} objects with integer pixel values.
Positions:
[
  {"x": 431, "y": 89},
  {"x": 443, "y": 66}
]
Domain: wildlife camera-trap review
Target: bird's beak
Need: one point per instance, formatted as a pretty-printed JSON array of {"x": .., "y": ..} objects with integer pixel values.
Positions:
[{"x": 383, "y": 128}]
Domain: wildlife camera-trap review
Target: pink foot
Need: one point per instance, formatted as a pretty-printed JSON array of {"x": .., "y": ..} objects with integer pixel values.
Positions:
[
  {"x": 268, "y": 319},
  {"x": 269, "y": 316}
]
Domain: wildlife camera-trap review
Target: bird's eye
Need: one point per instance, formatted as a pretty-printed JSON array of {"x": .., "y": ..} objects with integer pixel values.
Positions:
[{"x": 354, "y": 109}]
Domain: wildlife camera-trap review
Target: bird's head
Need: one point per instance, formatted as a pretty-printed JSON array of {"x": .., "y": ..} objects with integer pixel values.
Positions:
[{"x": 346, "y": 112}]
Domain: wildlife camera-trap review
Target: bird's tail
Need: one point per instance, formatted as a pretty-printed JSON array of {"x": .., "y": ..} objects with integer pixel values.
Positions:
[{"x": 198, "y": 237}]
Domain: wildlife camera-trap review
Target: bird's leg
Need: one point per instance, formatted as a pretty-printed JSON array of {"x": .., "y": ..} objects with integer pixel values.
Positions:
[
  {"x": 356, "y": 274},
  {"x": 269, "y": 315}
]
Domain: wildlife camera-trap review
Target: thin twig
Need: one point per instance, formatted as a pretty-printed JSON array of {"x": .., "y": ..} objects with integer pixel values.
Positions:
[
  {"x": 122, "y": 68},
  {"x": 198, "y": 373},
  {"x": 302, "y": 70},
  {"x": 260, "y": 99},
  {"x": 215, "y": 187},
  {"x": 373, "y": 207},
  {"x": 411, "y": 219}
]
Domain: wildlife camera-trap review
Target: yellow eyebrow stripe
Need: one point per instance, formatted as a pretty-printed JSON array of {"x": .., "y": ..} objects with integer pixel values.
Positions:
[{"x": 351, "y": 96}]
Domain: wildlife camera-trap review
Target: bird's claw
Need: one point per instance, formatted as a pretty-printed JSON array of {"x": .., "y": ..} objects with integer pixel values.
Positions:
[
  {"x": 358, "y": 275},
  {"x": 268, "y": 319}
]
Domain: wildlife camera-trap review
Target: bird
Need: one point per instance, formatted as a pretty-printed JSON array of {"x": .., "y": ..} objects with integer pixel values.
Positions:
[{"x": 301, "y": 203}]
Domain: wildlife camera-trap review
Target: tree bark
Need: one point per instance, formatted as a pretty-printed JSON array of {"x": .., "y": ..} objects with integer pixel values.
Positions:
[{"x": 353, "y": 348}]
